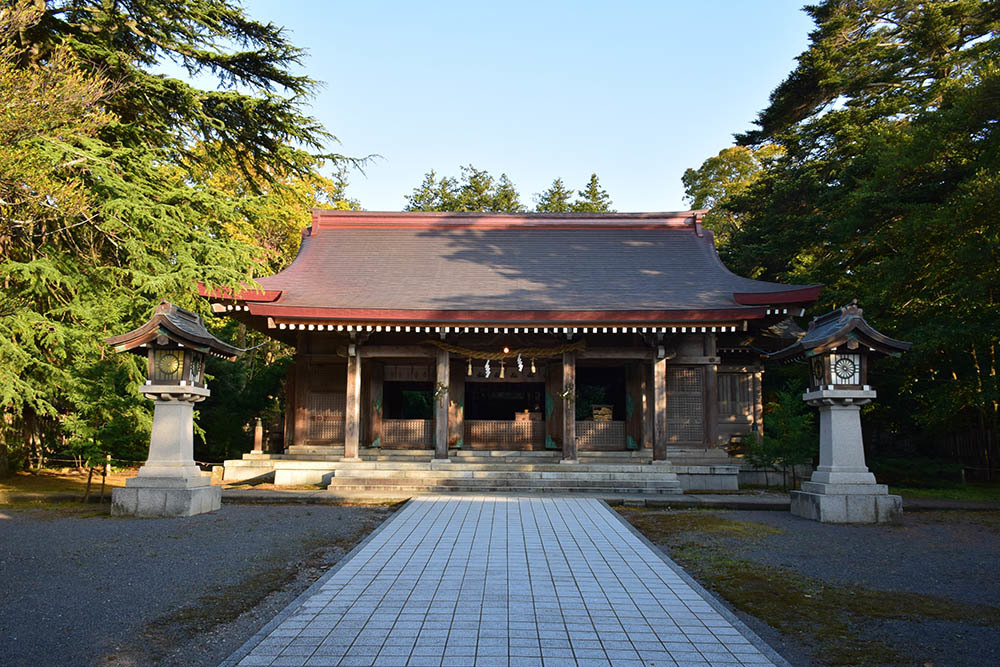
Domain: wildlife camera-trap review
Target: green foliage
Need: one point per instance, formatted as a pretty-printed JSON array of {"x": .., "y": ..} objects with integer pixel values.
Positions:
[
  {"x": 270, "y": 207},
  {"x": 120, "y": 187},
  {"x": 417, "y": 404},
  {"x": 789, "y": 437},
  {"x": 592, "y": 199},
  {"x": 885, "y": 189},
  {"x": 477, "y": 191},
  {"x": 241, "y": 392},
  {"x": 916, "y": 472},
  {"x": 556, "y": 199},
  {"x": 722, "y": 177},
  {"x": 588, "y": 395}
]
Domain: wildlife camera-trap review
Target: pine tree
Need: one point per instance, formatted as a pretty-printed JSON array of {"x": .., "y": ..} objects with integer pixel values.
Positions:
[
  {"x": 886, "y": 190},
  {"x": 128, "y": 208},
  {"x": 554, "y": 200},
  {"x": 505, "y": 197},
  {"x": 593, "y": 198},
  {"x": 477, "y": 191}
]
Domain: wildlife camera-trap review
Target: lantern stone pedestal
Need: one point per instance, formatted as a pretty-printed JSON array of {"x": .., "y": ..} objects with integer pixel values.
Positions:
[
  {"x": 842, "y": 489},
  {"x": 170, "y": 484}
]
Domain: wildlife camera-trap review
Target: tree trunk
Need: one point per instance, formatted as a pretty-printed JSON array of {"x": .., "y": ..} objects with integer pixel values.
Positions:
[{"x": 4, "y": 461}]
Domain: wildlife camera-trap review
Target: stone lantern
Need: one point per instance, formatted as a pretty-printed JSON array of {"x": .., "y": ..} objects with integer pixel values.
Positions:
[
  {"x": 175, "y": 343},
  {"x": 838, "y": 347}
]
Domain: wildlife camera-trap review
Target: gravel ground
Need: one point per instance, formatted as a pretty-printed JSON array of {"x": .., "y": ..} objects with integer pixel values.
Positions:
[
  {"x": 945, "y": 554},
  {"x": 949, "y": 554},
  {"x": 80, "y": 589}
]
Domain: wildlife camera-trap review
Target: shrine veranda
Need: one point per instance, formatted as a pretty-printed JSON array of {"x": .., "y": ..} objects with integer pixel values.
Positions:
[{"x": 548, "y": 338}]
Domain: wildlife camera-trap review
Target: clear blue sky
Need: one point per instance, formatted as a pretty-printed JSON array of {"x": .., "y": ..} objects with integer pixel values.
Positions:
[{"x": 634, "y": 91}]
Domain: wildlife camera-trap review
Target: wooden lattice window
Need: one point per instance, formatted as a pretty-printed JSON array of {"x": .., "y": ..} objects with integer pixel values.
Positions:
[
  {"x": 415, "y": 433},
  {"x": 504, "y": 434},
  {"x": 735, "y": 396},
  {"x": 600, "y": 436},
  {"x": 326, "y": 416},
  {"x": 685, "y": 404}
]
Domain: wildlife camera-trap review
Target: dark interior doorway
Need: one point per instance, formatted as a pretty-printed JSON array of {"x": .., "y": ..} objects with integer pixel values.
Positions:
[
  {"x": 408, "y": 400},
  {"x": 500, "y": 400},
  {"x": 600, "y": 386}
]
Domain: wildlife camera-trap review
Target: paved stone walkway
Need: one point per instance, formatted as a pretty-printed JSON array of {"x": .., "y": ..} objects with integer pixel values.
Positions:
[{"x": 498, "y": 581}]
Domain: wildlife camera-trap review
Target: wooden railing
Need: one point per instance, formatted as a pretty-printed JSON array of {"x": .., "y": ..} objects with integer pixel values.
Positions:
[
  {"x": 600, "y": 436},
  {"x": 502, "y": 434},
  {"x": 408, "y": 433}
]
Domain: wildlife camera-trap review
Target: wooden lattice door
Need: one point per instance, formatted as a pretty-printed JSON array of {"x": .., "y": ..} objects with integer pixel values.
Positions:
[{"x": 685, "y": 405}]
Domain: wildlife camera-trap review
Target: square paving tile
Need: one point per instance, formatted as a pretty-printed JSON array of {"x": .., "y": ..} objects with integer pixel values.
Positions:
[{"x": 504, "y": 580}]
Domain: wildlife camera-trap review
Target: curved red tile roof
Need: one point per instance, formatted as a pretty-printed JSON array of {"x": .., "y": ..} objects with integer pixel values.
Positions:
[{"x": 468, "y": 267}]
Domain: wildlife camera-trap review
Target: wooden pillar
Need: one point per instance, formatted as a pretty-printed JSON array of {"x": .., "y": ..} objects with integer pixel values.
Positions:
[
  {"x": 456, "y": 406},
  {"x": 301, "y": 426},
  {"x": 553, "y": 405},
  {"x": 758, "y": 402},
  {"x": 569, "y": 407},
  {"x": 646, "y": 371},
  {"x": 441, "y": 405},
  {"x": 633, "y": 405},
  {"x": 660, "y": 410},
  {"x": 352, "y": 425},
  {"x": 711, "y": 394},
  {"x": 288, "y": 436},
  {"x": 376, "y": 388}
]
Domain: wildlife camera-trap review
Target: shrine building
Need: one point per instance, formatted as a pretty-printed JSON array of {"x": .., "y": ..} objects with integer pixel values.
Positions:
[{"x": 445, "y": 340}]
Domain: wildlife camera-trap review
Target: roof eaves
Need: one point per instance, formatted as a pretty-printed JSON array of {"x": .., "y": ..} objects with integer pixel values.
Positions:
[
  {"x": 533, "y": 317},
  {"x": 803, "y": 295}
]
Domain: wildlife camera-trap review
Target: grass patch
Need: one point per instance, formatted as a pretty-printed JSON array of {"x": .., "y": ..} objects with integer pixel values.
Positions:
[
  {"x": 989, "y": 519},
  {"x": 974, "y": 492},
  {"x": 665, "y": 526},
  {"x": 51, "y": 511},
  {"x": 54, "y": 482},
  {"x": 827, "y": 619}
]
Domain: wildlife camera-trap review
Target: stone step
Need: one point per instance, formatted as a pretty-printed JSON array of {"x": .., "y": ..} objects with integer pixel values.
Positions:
[
  {"x": 295, "y": 472},
  {"x": 241, "y": 470},
  {"x": 395, "y": 486},
  {"x": 315, "y": 449},
  {"x": 503, "y": 475},
  {"x": 428, "y": 456},
  {"x": 498, "y": 483},
  {"x": 363, "y": 452},
  {"x": 631, "y": 468},
  {"x": 461, "y": 465},
  {"x": 603, "y": 456}
]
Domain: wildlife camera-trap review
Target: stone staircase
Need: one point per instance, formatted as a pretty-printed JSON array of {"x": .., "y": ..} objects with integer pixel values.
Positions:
[
  {"x": 396, "y": 472},
  {"x": 405, "y": 478}
]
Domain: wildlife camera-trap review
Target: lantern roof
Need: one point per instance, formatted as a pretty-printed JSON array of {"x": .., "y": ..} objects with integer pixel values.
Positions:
[
  {"x": 172, "y": 324},
  {"x": 844, "y": 326}
]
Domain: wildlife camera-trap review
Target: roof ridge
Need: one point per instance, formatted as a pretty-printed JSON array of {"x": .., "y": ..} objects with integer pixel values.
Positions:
[
  {"x": 336, "y": 218},
  {"x": 526, "y": 214}
]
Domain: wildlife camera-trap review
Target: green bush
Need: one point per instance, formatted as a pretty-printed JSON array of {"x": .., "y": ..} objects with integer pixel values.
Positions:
[
  {"x": 917, "y": 472},
  {"x": 789, "y": 436}
]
